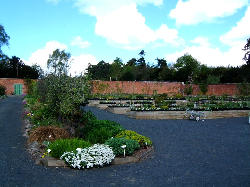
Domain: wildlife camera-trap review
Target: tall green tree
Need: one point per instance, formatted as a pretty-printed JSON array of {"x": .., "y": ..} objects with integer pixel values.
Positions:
[
  {"x": 4, "y": 38},
  {"x": 101, "y": 71},
  {"x": 116, "y": 69},
  {"x": 187, "y": 68},
  {"x": 247, "y": 50},
  {"x": 58, "y": 62}
]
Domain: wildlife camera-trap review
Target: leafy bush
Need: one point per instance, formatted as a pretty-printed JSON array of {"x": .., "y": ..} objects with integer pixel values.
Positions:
[
  {"x": 65, "y": 94},
  {"x": 96, "y": 155},
  {"x": 87, "y": 120},
  {"x": 2, "y": 90},
  {"x": 116, "y": 143},
  {"x": 32, "y": 87},
  {"x": 188, "y": 89},
  {"x": 88, "y": 117},
  {"x": 58, "y": 147},
  {"x": 41, "y": 113},
  {"x": 132, "y": 135},
  {"x": 203, "y": 88},
  {"x": 98, "y": 131}
]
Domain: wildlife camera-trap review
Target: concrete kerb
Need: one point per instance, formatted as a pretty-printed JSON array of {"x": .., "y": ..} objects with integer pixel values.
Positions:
[{"x": 144, "y": 153}]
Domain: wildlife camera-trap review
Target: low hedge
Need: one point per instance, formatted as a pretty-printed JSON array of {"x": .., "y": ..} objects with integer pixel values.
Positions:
[
  {"x": 116, "y": 143},
  {"x": 132, "y": 135}
]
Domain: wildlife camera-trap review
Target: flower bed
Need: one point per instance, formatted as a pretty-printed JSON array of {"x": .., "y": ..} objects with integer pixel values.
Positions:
[{"x": 90, "y": 150}]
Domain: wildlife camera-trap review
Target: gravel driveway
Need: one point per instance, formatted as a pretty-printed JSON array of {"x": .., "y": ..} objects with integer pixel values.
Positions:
[{"x": 187, "y": 153}]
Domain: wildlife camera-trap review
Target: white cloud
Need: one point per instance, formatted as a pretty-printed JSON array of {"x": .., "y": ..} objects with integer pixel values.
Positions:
[
  {"x": 240, "y": 32},
  {"x": 41, "y": 56},
  {"x": 169, "y": 35},
  {"x": 196, "y": 11},
  {"x": 78, "y": 41},
  {"x": 122, "y": 25},
  {"x": 202, "y": 41},
  {"x": 126, "y": 29},
  {"x": 102, "y": 7},
  {"x": 80, "y": 63},
  {"x": 209, "y": 55}
]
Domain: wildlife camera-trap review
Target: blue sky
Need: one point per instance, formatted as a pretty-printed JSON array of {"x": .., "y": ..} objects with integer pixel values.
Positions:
[{"x": 212, "y": 31}]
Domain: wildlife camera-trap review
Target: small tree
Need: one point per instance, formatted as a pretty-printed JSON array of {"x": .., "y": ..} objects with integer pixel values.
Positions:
[
  {"x": 247, "y": 54},
  {"x": 186, "y": 66},
  {"x": 62, "y": 93},
  {"x": 58, "y": 62},
  {"x": 2, "y": 90},
  {"x": 4, "y": 38}
]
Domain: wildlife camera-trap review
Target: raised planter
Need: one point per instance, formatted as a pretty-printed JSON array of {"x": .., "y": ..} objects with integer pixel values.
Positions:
[
  {"x": 136, "y": 157},
  {"x": 226, "y": 114},
  {"x": 118, "y": 110},
  {"x": 181, "y": 114},
  {"x": 157, "y": 114}
]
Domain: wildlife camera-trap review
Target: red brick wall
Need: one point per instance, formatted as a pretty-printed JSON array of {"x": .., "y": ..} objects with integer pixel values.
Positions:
[
  {"x": 149, "y": 87},
  {"x": 9, "y": 84},
  {"x": 137, "y": 87},
  {"x": 218, "y": 89}
]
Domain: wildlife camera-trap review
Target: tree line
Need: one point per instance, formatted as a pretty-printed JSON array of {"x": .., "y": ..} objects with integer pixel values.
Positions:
[{"x": 186, "y": 69}]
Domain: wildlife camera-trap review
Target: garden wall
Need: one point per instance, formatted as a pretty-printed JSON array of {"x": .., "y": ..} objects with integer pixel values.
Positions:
[
  {"x": 151, "y": 87},
  {"x": 136, "y": 87},
  {"x": 218, "y": 89},
  {"x": 9, "y": 84}
]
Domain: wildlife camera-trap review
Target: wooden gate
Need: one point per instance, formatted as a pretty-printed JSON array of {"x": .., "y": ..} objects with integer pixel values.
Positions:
[{"x": 18, "y": 89}]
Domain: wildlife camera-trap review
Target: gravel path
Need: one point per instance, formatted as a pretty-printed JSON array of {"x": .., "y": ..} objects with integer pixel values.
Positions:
[{"x": 187, "y": 153}]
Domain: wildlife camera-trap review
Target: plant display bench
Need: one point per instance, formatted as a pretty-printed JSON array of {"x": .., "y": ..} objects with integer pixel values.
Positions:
[
  {"x": 156, "y": 114},
  {"x": 118, "y": 110},
  {"x": 183, "y": 115},
  {"x": 226, "y": 114}
]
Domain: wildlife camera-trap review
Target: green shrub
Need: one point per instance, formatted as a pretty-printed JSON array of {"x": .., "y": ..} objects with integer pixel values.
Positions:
[
  {"x": 128, "y": 134},
  {"x": 98, "y": 131},
  {"x": 58, "y": 147},
  {"x": 188, "y": 89},
  {"x": 65, "y": 94},
  {"x": 2, "y": 90},
  {"x": 116, "y": 143},
  {"x": 88, "y": 117},
  {"x": 85, "y": 123},
  {"x": 203, "y": 88},
  {"x": 41, "y": 115}
]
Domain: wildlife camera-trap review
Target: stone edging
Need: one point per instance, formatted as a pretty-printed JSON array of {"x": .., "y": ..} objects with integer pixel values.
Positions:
[
  {"x": 144, "y": 153},
  {"x": 181, "y": 114}
]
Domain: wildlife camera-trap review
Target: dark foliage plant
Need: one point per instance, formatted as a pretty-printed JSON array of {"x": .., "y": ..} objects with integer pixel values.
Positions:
[
  {"x": 98, "y": 131},
  {"x": 2, "y": 90},
  {"x": 116, "y": 143}
]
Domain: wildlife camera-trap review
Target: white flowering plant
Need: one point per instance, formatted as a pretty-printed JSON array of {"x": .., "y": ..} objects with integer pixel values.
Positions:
[{"x": 97, "y": 155}]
